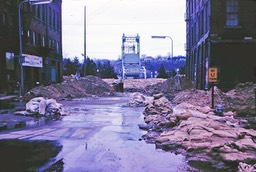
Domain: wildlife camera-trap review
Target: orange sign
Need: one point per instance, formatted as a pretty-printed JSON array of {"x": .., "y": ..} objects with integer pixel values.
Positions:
[{"x": 213, "y": 74}]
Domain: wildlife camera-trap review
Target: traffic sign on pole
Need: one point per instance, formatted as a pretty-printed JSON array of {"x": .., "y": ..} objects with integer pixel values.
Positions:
[
  {"x": 213, "y": 74},
  {"x": 213, "y": 78}
]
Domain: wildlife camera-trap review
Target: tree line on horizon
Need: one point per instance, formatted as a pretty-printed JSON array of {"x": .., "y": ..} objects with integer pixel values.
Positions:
[{"x": 103, "y": 68}]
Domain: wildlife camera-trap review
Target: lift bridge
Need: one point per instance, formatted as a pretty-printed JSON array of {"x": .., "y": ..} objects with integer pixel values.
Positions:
[{"x": 131, "y": 65}]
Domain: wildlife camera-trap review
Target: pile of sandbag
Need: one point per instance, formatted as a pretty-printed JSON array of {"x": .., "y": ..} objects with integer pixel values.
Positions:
[
  {"x": 197, "y": 129},
  {"x": 43, "y": 107}
]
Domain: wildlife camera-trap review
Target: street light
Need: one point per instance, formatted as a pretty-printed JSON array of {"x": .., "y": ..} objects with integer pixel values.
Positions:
[
  {"x": 39, "y": 2},
  {"x": 32, "y": 2},
  {"x": 164, "y": 37}
]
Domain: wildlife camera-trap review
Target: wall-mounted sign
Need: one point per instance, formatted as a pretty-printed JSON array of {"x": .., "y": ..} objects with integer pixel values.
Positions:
[
  {"x": 213, "y": 74},
  {"x": 32, "y": 61}
]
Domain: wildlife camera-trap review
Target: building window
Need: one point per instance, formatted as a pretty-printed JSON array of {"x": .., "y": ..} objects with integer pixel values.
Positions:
[
  {"x": 50, "y": 16},
  {"x": 28, "y": 37},
  {"x": 54, "y": 20},
  {"x": 34, "y": 10},
  {"x": 208, "y": 14},
  {"x": 232, "y": 13},
  {"x": 9, "y": 60},
  {"x": 33, "y": 38},
  {"x": 38, "y": 7},
  {"x": 3, "y": 19},
  {"x": 53, "y": 44},
  {"x": 43, "y": 41},
  {"x": 58, "y": 21},
  {"x": 49, "y": 43},
  {"x": 39, "y": 43},
  {"x": 57, "y": 47},
  {"x": 10, "y": 20},
  {"x": 43, "y": 12}
]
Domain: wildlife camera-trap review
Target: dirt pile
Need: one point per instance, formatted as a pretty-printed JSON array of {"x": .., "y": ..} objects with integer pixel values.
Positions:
[
  {"x": 151, "y": 86},
  {"x": 241, "y": 99},
  {"x": 72, "y": 88},
  {"x": 169, "y": 86},
  {"x": 200, "y": 97},
  {"x": 137, "y": 85}
]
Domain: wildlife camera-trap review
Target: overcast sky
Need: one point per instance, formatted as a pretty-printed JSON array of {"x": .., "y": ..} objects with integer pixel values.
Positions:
[{"x": 107, "y": 20}]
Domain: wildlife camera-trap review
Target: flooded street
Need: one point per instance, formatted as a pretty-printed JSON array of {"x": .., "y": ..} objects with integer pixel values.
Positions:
[{"x": 101, "y": 134}]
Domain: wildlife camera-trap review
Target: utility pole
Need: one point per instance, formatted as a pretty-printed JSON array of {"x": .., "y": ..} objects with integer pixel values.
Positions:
[
  {"x": 21, "y": 58},
  {"x": 85, "y": 41}
]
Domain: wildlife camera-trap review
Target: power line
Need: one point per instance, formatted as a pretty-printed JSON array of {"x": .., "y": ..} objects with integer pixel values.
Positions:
[{"x": 100, "y": 9}]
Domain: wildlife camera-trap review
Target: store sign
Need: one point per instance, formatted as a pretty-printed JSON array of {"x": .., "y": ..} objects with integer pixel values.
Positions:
[
  {"x": 213, "y": 74},
  {"x": 32, "y": 61}
]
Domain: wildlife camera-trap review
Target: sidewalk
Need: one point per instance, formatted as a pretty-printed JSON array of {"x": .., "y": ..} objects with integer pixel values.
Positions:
[
  {"x": 4, "y": 97},
  {"x": 8, "y": 121},
  {"x": 6, "y": 101}
]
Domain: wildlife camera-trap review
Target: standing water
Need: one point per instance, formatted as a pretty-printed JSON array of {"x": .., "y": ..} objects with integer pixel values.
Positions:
[
  {"x": 117, "y": 146},
  {"x": 100, "y": 134}
]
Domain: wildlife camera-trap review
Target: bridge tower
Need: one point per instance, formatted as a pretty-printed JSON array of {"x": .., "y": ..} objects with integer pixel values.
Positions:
[{"x": 131, "y": 65}]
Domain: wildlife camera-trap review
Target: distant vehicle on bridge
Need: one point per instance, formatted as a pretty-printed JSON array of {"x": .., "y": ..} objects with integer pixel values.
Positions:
[{"x": 131, "y": 65}]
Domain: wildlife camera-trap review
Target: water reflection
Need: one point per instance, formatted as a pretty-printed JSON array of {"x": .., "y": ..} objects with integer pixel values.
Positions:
[{"x": 37, "y": 122}]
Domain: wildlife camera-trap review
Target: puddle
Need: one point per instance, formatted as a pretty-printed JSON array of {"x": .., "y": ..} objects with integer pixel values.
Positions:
[
  {"x": 38, "y": 122},
  {"x": 27, "y": 155},
  {"x": 118, "y": 146},
  {"x": 216, "y": 166}
]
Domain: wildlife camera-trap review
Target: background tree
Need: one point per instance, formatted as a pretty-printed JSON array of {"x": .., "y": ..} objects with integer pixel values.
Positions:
[
  {"x": 161, "y": 72},
  {"x": 182, "y": 70},
  {"x": 68, "y": 67},
  {"x": 77, "y": 65},
  {"x": 91, "y": 68},
  {"x": 106, "y": 70},
  {"x": 71, "y": 66}
]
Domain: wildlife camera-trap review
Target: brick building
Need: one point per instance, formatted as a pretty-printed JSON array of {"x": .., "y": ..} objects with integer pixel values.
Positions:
[
  {"x": 221, "y": 33},
  {"x": 41, "y": 42}
]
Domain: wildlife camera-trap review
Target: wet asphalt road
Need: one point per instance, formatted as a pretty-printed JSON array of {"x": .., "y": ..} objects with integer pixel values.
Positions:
[{"x": 101, "y": 135}]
